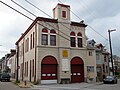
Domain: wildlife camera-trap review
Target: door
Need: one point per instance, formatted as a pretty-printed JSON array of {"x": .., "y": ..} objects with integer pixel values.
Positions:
[
  {"x": 49, "y": 70},
  {"x": 77, "y": 70}
]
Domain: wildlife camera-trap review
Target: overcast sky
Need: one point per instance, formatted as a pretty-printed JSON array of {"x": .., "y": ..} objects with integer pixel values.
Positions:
[{"x": 101, "y": 15}]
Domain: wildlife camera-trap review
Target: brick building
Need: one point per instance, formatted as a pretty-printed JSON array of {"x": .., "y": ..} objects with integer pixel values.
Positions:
[{"x": 55, "y": 50}]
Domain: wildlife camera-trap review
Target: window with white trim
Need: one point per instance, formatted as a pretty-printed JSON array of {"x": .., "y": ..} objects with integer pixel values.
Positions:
[
  {"x": 48, "y": 38},
  {"x": 90, "y": 68},
  {"x": 76, "y": 40}
]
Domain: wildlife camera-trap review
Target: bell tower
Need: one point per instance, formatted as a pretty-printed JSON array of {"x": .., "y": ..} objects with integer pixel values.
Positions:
[{"x": 62, "y": 12}]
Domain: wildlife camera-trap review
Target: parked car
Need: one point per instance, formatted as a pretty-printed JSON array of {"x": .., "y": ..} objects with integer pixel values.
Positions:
[
  {"x": 5, "y": 77},
  {"x": 110, "y": 80}
]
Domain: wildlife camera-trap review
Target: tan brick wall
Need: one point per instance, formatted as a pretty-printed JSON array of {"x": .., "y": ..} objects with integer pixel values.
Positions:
[{"x": 61, "y": 44}]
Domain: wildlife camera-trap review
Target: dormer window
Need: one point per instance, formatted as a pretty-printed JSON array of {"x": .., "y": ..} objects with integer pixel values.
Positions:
[{"x": 64, "y": 14}]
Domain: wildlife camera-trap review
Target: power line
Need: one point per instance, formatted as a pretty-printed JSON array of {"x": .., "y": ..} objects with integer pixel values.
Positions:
[
  {"x": 47, "y": 14},
  {"x": 88, "y": 10},
  {"x": 32, "y": 20},
  {"x": 23, "y": 8},
  {"x": 47, "y": 23},
  {"x": 84, "y": 53},
  {"x": 29, "y": 18},
  {"x": 63, "y": 24},
  {"x": 44, "y": 12},
  {"x": 36, "y": 16},
  {"x": 51, "y": 17},
  {"x": 16, "y": 10},
  {"x": 37, "y": 8},
  {"x": 87, "y": 24}
]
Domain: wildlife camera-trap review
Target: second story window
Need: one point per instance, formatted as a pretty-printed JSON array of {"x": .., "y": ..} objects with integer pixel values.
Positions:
[
  {"x": 44, "y": 39},
  {"x": 79, "y": 38},
  {"x": 72, "y": 39},
  {"x": 52, "y": 37},
  {"x": 79, "y": 42},
  {"x": 76, "y": 40},
  {"x": 48, "y": 37},
  {"x": 52, "y": 40}
]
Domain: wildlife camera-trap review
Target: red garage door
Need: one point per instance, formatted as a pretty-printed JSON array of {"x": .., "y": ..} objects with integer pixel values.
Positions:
[
  {"x": 77, "y": 70},
  {"x": 49, "y": 70}
]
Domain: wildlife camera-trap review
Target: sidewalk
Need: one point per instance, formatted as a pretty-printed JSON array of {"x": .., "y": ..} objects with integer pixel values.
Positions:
[
  {"x": 22, "y": 84},
  {"x": 75, "y": 86},
  {"x": 72, "y": 86}
]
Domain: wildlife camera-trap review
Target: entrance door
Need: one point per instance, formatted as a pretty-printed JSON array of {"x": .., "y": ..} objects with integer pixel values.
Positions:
[
  {"x": 49, "y": 70},
  {"x": 77, "y": 70}
]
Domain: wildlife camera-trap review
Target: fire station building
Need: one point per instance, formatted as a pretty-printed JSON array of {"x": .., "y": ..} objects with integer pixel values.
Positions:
[{"x": 54, "y": 50}]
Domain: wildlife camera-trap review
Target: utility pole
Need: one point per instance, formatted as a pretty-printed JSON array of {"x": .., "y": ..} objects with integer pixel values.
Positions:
[{"x": 111, "y": 49}]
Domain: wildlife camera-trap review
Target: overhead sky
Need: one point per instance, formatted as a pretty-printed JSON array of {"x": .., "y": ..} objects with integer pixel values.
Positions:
[{"x": 99, "y": 15}]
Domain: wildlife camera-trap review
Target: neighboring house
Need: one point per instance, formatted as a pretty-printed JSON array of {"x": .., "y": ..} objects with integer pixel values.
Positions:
[
  {"x": 102, "y": 62},
  {"x": 4, "y": 61},
  {"x": 106, "y": 57},
  {"x": 12, "y": 62},
  {"x": 55, "y": 51},
  {"x": 116, "y": 64},
  {"x": 99, "y": 62},
  {"x": 91, "y": 54},
  {"x": 2, "y": 64}
]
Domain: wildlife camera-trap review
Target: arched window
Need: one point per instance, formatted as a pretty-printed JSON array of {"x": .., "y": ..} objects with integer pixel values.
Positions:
[
  {"x": 79, "y": 39},
  {"x": 72, "y": 39},
  {"x": 44, "y": 30},
  {"x": 79, "y": 34},
  {"x": 44, "y": 36},
  {"x": 72, "y": 34},
  {"x": 52, "y": 37},
  {"x": 53, "y": 31}
]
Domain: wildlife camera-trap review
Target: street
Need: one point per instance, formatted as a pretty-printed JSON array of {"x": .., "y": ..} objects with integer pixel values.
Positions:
[
  {"x": 10, "y": 86},
  {"x": 77, "y": 86}
]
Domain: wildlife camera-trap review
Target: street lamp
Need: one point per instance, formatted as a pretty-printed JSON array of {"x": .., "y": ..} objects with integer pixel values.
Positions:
[{"x": 111, "y": 49}]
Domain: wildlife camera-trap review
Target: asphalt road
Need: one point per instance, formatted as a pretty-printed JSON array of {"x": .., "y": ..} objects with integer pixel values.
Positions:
[
  {"x": 10, "y": 86},
  {"x": 77, "y": 86}
]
